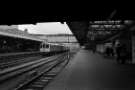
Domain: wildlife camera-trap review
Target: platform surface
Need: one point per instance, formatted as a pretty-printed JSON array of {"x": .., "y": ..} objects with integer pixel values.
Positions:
[{"x": 88, "y": 71}]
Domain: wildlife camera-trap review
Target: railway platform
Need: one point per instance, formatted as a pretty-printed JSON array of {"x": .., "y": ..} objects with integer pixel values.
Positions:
[{"x": 92, "y": 71}]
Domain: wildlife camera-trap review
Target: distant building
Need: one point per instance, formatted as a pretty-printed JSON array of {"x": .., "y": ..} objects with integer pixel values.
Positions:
[
  {"x": 57, "y": 38},
  {"x": 61, "y": 38},
  {"x": 26, "y": 30},
  {"x": 15, "y": 32},
  {"x": 8, "y": 27},
  {"x": 66, "y": 39},
  {"x": 41, "y": 36}
]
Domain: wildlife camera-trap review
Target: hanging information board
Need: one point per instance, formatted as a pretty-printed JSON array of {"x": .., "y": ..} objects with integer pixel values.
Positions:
[{"x": 133, "y": 49}]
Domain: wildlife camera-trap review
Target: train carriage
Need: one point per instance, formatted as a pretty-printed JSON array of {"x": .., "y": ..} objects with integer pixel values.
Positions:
[
  {"x": 44, "y": 47},
  {"x": 52, "y": 48}
]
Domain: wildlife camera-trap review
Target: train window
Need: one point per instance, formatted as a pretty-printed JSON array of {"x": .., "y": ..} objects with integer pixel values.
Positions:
[
  {"x": 43, "y": 45},
  {"x": 47, "y": 45}
]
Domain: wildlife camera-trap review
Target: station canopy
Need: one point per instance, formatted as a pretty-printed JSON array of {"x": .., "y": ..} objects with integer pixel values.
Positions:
[
  {"x": 92, "y": 25},
  {"x": 98, "y": 31}
]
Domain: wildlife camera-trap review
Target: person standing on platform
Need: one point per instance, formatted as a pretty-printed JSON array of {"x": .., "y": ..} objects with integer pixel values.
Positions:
[
  {"x": 124, "y": 54},
  {"x": 108, "y": 51},
  {"x": 111, "y": 51},
  {"x": 118, "y": 47},
  {"x": 93, "y": 50},
  {"x": 121, "y": 53}
]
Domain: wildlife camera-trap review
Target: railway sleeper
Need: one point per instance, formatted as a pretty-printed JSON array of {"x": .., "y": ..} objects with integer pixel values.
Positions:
[
  {"x": 48, "y": 75},
  {"x": 46, "y": 78},
  {"x": 41, "y": 82},
  {"x": 34, "y": 88}
]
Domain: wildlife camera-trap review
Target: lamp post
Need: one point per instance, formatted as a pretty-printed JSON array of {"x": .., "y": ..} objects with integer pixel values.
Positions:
[{"x": 68, "y": 42}]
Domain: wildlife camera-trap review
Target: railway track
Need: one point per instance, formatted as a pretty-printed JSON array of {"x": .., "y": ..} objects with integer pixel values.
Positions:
[
  {"x": 35, "y": 68},
  {"x": 15, "y": 56},
  {"x": 40, "y": 81},
  {"x": 10, "y": 60},
  {"x": 13, "y": 60},
  {"x": 13, "y": 63}
]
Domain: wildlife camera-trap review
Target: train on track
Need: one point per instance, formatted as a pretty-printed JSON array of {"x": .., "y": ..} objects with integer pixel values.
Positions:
[
  {"x": 12, "y": 41},
  {"x": 50, "y": 47}
]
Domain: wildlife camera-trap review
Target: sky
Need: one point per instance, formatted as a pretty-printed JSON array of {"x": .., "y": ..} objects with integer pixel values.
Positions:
[{"x": 46, "y": 28}]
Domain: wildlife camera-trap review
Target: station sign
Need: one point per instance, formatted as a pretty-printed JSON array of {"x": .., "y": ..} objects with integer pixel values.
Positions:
[
  {"x": 106, "y": 22},
  {"x": 108, "y": 25},
  {"x": 110, "y": 22}
]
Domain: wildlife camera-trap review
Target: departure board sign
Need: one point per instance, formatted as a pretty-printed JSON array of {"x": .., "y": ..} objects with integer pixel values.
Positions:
[
  {"x": 106, "y": 22},
  {"x": 103, "y": 27},
  {"x": 107, "y": 25}
]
